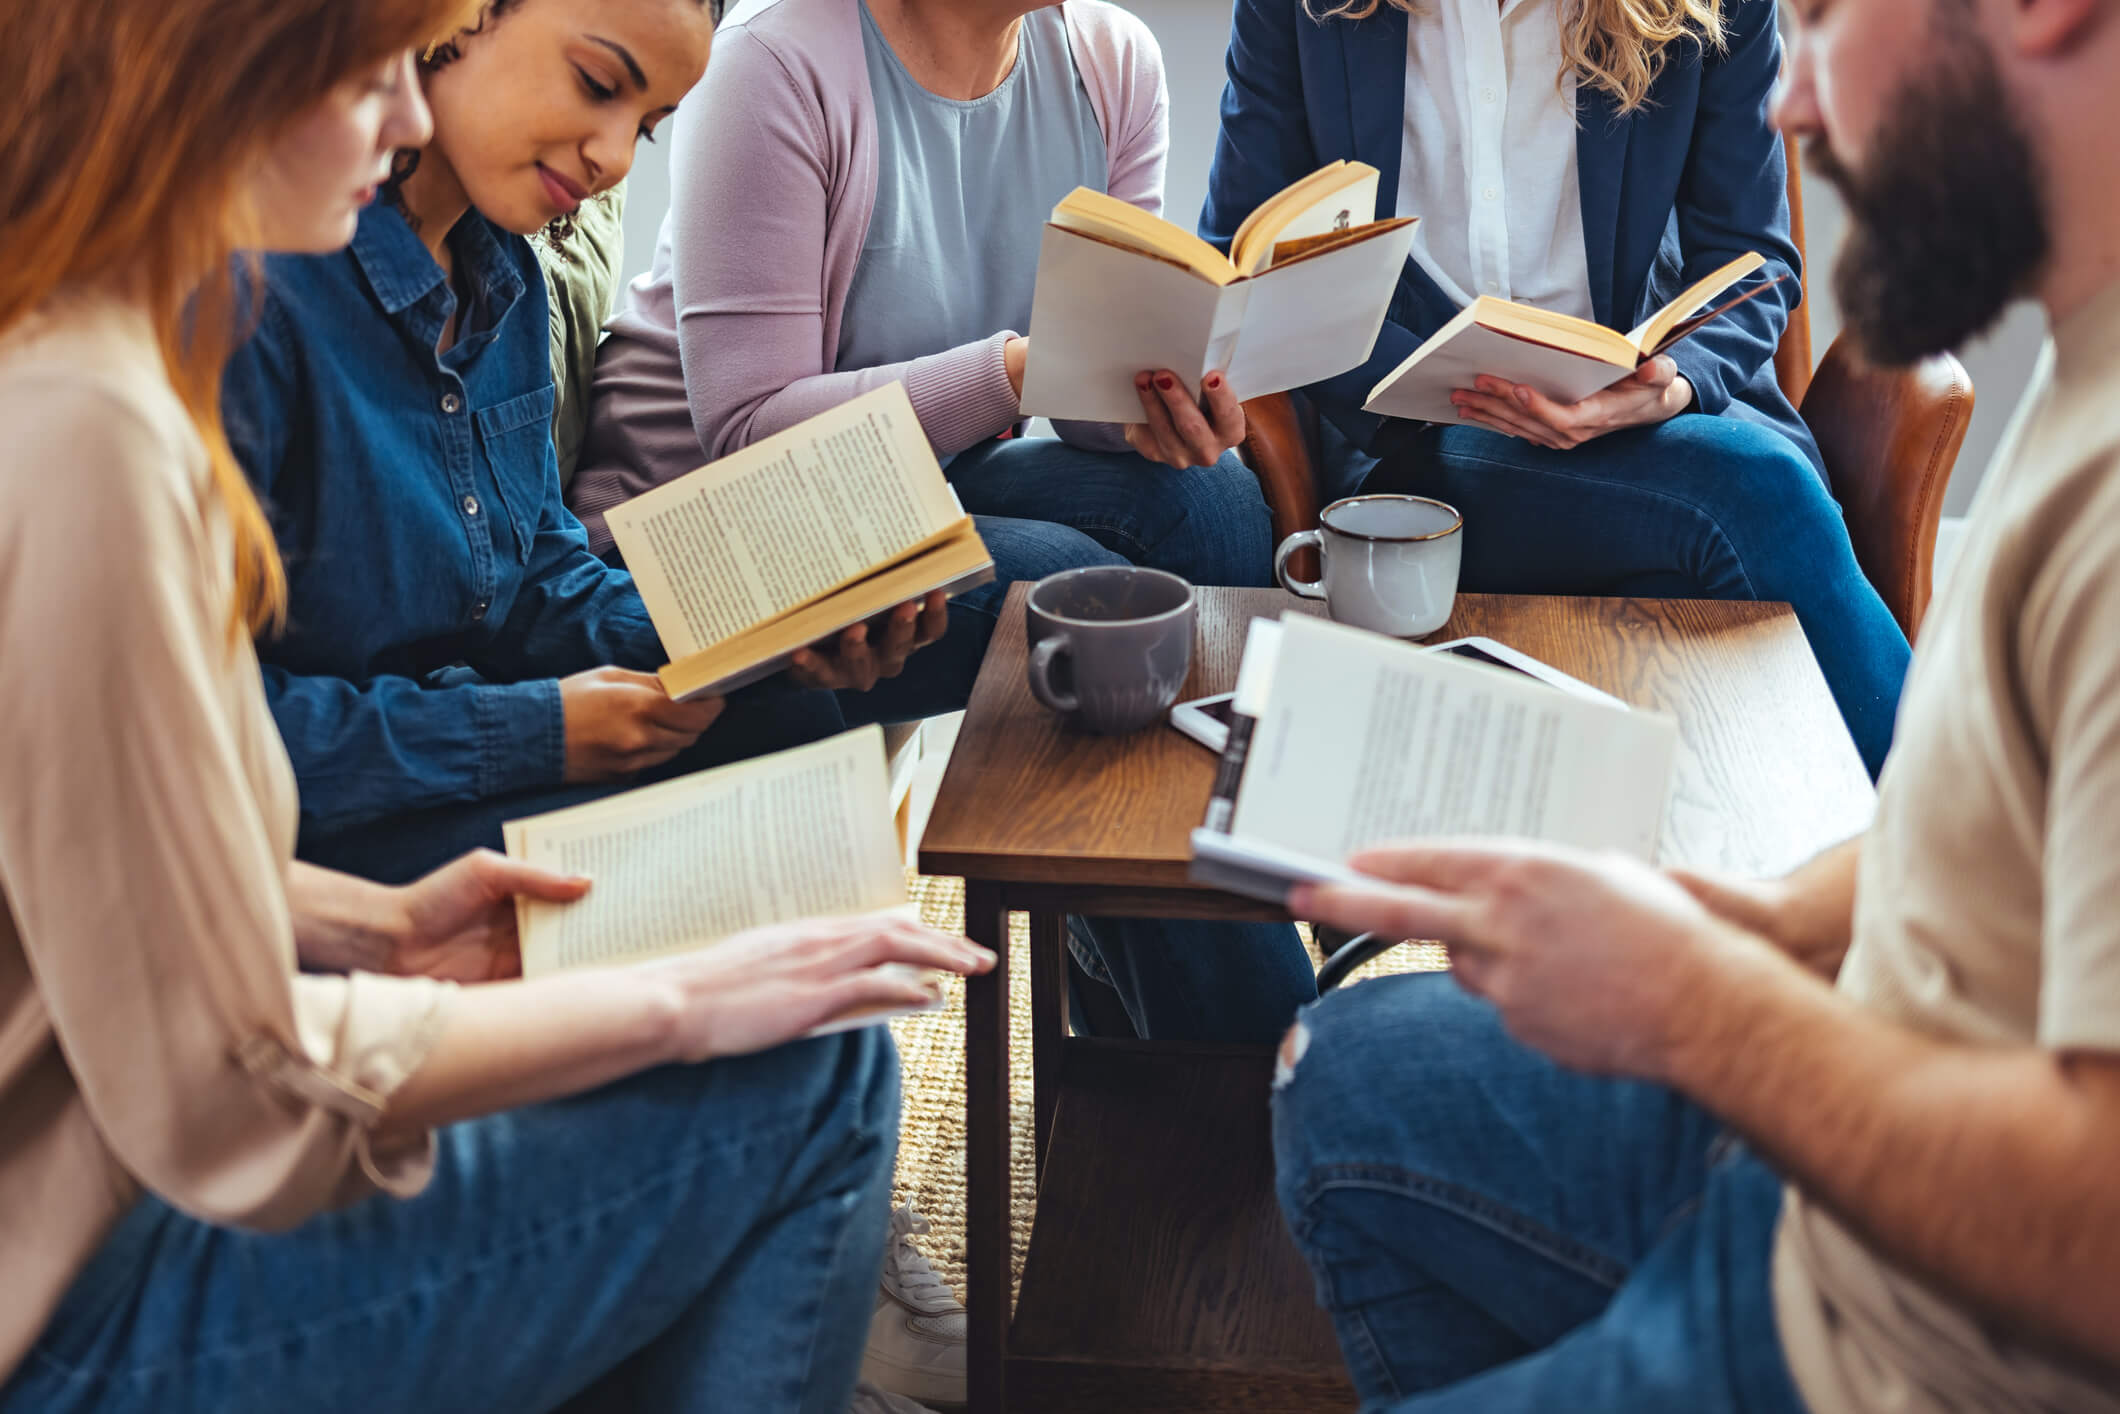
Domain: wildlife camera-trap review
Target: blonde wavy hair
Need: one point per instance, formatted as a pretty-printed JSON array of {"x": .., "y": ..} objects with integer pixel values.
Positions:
[{"x": 1618, "y": 46}]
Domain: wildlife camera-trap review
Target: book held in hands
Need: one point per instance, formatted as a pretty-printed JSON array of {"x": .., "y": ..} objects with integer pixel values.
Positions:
[
  {"x": 783, "y": 544},
  {"x": 683, "y": 864},
  {"x": 1563, "y": 357},
  {"x": 1341, "y": 739},
  {"x": 1301, "y": 296}
]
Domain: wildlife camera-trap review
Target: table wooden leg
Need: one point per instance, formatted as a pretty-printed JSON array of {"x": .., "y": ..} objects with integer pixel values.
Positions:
[
  {"x": 986, "y": 1144},
  {"x": 1048, "y": 1023}
]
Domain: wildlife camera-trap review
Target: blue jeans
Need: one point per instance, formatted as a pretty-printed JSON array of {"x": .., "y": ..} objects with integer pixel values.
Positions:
[
  {"x": 1206, "y": 523},
  {"x": 1697, "y": 507},
  {"x": 1491, "y": 1232},
  {"x": 693, "y": 1239}
]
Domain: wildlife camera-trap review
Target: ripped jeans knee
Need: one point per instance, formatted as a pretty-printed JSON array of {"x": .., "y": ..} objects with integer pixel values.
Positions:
[{"x": 1293, "y": 1047}]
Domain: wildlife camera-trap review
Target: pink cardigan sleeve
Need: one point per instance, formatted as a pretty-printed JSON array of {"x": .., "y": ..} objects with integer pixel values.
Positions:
[{"x": 749, "y": 199}]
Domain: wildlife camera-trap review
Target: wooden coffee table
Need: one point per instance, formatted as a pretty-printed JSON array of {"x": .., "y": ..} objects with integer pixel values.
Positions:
[{"x": 1159, "y": 1276}]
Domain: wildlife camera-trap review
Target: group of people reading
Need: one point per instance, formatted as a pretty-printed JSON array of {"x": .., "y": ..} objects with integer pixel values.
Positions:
[{"x": 299, "y": 608}]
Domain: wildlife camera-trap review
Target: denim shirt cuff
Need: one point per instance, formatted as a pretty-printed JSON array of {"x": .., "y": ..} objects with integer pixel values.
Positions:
[{"x": 522, "y": 737}]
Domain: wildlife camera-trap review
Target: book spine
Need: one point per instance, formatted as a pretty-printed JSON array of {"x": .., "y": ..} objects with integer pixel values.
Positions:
[{"x": 1229, "y": 774}]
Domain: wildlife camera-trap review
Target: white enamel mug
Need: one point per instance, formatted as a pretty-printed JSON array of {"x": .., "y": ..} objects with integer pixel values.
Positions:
[{"x": 1390, "y": 563}]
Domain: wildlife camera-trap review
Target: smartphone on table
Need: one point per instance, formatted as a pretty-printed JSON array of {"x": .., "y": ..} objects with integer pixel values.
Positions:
[{"x": 1207, "y": 719}]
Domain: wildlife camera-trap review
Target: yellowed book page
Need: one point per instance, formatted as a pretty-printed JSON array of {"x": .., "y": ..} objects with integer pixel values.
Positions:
[
  {"x": 773, "y": 526},
  {"x": 1560, "y": 331},
  {"x": 1650, "y": 333},
  {"x": 800, "y": 834},
  {"x": 954, "y": 564},
  {"x": 1107, "y": 218},
  {"x": 1334, "y": 198}
]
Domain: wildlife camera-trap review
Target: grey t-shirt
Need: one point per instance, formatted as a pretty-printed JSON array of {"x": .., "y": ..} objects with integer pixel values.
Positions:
[{"x": 963, "y": 190}]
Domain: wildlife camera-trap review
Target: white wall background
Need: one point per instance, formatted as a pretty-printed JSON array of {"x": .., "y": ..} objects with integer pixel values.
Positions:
[{"x": 1193, "y": 34}]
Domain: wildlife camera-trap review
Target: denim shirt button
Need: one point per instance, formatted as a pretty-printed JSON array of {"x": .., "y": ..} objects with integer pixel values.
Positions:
[
  {"x": 471, "y": 505},
  {"x": 452, "y": 404},
  {"x": 478, "y": 611}
]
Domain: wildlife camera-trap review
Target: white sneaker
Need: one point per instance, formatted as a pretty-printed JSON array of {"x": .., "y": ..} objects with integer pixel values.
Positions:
[
  {"x": 870, "y": 1400},
  {"x": 917, "y": 1336}
]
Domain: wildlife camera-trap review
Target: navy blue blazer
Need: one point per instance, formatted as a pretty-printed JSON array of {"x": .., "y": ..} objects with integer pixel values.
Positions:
[{"x": 1692, "y": 179}]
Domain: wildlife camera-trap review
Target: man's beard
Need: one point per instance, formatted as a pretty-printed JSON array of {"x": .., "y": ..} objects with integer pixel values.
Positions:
[{"x": 1947, "y": 218}]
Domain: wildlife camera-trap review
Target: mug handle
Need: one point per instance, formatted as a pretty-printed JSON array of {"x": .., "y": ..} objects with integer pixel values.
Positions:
[
  {"x": 1304, "y": 588},
  {"x": 1041, "y": 665}
]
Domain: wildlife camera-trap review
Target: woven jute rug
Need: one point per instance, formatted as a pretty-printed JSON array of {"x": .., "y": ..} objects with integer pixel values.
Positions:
[{"x": 931, "y": 1052}]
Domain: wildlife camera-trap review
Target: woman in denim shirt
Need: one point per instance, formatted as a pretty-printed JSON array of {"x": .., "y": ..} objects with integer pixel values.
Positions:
[
  {"x": 454, "y": 656},
  {"x": 441, "y": 591}
]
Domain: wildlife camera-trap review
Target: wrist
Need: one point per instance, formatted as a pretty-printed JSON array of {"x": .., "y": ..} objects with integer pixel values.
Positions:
[
  {"x": 1014, "y": 355},
  {"x": 1711, "y": 980},
  {"x": 666, "y": 1004}
]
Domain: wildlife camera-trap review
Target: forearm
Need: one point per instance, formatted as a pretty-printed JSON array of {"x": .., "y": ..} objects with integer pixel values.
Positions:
[
  {"x": 1985, "y": 1168},
  {"x": 508, "y": 1044},
  {"x": 574, "y": 613},
  {"x": 961, "y": 395},
  {"x": 341, "y": 923},
  {"x": 369, "y": 751}
]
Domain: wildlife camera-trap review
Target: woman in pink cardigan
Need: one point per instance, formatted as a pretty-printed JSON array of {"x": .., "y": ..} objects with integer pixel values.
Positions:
[
  {"x": 858, "y": 192},
  {"x": 859, "y": 188}
]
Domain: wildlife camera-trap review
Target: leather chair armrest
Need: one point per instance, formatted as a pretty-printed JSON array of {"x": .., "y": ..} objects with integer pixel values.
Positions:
[
  {"x": 1890, "y": 438},
  {"x": 1277, "y": 448}
]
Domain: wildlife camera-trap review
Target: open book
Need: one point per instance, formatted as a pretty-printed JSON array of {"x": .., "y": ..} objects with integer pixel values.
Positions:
[
  {"x": 680, "y": 865},
  {"x": 1564, "y": 357},
  {"x": 794, "y": 538},
  {"x": 1300, "y": 297},
  {"x": 1342, "y": 739}
]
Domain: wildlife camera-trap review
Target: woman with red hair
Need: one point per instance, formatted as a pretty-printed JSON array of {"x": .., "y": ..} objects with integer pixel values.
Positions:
[{"x": 228, "y": 1183}]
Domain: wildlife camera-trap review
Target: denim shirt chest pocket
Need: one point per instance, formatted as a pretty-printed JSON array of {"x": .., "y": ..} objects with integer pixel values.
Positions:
[{"x": 515, "y": 436}]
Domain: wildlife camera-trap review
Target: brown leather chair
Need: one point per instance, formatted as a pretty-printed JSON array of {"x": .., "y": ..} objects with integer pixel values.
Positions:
[{"x": 1889, "y": 436}]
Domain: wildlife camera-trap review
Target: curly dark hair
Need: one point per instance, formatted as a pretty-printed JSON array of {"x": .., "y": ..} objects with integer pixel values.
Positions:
[{"x": 441, "y": 56}]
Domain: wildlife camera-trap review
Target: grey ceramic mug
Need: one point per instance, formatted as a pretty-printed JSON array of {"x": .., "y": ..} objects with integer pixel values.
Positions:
[{"x": 1109, "y": 645}]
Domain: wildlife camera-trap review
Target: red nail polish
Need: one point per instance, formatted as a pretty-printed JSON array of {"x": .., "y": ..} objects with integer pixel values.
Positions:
[
  {"x": 1214, "y": 380},
  {"x": 1166, "y": 382}
]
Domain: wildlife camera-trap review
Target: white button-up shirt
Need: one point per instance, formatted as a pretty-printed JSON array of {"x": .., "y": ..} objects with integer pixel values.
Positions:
[{"x": 1488, "y": 162}]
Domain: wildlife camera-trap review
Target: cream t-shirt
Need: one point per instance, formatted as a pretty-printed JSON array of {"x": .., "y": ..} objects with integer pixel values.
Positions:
[{"x": 1988, "y": 905}]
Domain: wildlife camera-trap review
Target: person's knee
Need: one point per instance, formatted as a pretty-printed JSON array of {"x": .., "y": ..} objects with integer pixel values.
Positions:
[
  {"x": 1752, "y": 475},
  {"x": 1222, "y": 512},
  {"x": 1032, "y": 549},
  {"x": 1337, "y": 1070}
]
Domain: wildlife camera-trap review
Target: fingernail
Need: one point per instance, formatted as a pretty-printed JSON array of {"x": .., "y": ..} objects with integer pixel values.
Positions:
[
  {"x": 1166, "y": 382},
  {"x": 1214, "y": 380},
  {"x": 1523, "y": 395},
  {"x": 1141, "y": 380}
]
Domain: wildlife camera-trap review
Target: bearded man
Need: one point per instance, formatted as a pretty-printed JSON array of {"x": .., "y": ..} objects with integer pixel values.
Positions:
[{"x": 1845, "y": 1141}]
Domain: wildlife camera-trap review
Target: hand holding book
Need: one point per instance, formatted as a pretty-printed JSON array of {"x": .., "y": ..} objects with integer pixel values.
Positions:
[
  {"x": 1653, "y": 393},
  {"x": 1564, "y": 359},
  {"x": 864, "y": 655},
  {"x": 1595, "y": 959}
]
